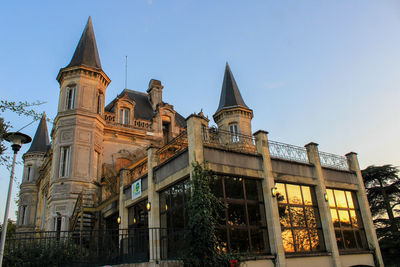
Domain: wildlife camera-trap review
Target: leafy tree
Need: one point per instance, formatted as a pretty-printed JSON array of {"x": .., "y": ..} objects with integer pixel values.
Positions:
[
  {"x": 11, "y": 228},
  {"x": 383, "y": 191},
  {"x": 203, "y": 209},
  {"x": 20, "y": 108}
]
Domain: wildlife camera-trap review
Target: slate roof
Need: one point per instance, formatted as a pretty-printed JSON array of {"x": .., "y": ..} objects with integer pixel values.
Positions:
[
  {"x": 143, "y": 108},
  {"x": 40, "y": 142},
  {"x": 230, "y": 94},
  {"x": 86, "y": 53}
]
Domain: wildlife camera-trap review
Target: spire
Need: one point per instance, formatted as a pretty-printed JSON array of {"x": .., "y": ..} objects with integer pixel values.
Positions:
[
  {"x": 41, "y": 139},
  {"x": 86, "y": 53},
  {"x": 230, "y": 94}
]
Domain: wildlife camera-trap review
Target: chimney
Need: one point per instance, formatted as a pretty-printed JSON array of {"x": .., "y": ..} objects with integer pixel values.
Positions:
[{"x": 155, "y": 92}]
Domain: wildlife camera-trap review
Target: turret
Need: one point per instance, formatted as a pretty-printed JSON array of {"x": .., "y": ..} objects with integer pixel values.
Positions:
[
  {"x": 33, "y": 160},
  {"x": 78, "y": 131},
  {"x": 233, "y": 114}
]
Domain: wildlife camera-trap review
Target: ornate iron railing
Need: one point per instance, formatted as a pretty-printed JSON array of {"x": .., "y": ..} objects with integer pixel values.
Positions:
[
  {"x": 173, "y": 147},
  {"x": 137, "y": 170},
  {"x": 333, "y": 161},
  {"x": 287, "y": 152},
  {"x": 231, "y": 141}
]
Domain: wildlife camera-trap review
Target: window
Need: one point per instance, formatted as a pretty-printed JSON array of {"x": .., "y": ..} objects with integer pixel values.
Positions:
[
  {"x": 204, "y": 132},
  {"x": 124, "y": 116},
  {"x": 64, "y": 161},
  {"x": 23, "y": 215},
  {"x": 234, "y": 129},
  {"x": 173, "y": 218},
  {"x": 346, "y": 219},
  {"x": 70, "y": 99},
  {"x": 96, "y": 164},
  {"x": 166, "y": 128},
  {"x": 28, "y": 173},
  {"x": 299, "y": 218},
  {"x": 99, "y": 103},
  {"x": 243, "y": 226}
]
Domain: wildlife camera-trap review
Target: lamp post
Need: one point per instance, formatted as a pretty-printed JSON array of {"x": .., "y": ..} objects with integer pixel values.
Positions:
[{"x": 17, "y": 140}]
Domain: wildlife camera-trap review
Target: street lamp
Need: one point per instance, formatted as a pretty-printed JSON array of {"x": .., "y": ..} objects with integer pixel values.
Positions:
[{"x": 17, "y": 140}]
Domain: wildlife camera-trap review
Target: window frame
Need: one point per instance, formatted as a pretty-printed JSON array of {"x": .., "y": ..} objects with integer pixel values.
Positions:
[
  {"x": 363, "y": 245},
  {"x": 124, "y": 116},
  {"x": 244, "y": 201},
  {"x": 70, "y": 98},
  {"x": 291, "y": 225},
  {"x": 234, "y": 132},
  {"x": 64, "y": 166}
]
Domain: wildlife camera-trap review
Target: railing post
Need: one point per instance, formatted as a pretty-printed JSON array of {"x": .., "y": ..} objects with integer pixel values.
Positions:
[
  {"x": 153, "y": 214},
  {"x": 323, "y": 205},
  {"x": 271, "y": 203},
  {"x": 366, "y": 216}
]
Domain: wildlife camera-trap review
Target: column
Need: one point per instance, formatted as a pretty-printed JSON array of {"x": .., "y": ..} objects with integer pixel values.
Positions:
[
  {"x": 195, "y": 125},
  {"x": 154, "y": 213},
  {"x": 323, "y": 205},
  {"x": 271, "y": 203},
  {"x": 361, "y": 194}
]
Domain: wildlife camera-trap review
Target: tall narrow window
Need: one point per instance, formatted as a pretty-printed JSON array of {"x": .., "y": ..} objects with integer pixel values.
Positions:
[
  {"x": 234, "y": 129},
  {"x": 349, "y": 230},
  {"x": 64, "y": 161},
  {"x": 99, "y": 103},
  {"x": 124, "y": 116},
  {"x": 70, "y": 98},
  {"x": 23, "y": 210},
  {"x": 96, "y": 164},
  {"x": 299, "y": 218},
  {"x": 204, "y": 132},
  {"x": 28, "y": 173}
]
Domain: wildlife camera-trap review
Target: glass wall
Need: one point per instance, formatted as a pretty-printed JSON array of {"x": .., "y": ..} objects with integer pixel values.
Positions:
[
  {"x": 243, "y": 226},
  {"x": 299, "y": 218},
  {"x": 346, "y": 219},
  {"x": 173, "y": 218}
]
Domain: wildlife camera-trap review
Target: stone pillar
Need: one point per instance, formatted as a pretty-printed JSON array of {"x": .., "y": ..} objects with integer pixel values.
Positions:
[
  {"x": 154, "y": 213},
  {"x": 323, "y": 205},
  {"x": 123, "y": 213},
  {"x": 195, "y": 125},
  {"x": 271, "y": 203},
  {"x": 361, "y": 194}
]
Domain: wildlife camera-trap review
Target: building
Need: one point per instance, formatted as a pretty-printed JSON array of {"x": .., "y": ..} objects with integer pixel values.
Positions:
[{"x": 128, "y": 164}]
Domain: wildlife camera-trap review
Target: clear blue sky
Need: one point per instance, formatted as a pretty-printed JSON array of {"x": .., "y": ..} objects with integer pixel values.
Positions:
[{"x": 321, "y": 71}]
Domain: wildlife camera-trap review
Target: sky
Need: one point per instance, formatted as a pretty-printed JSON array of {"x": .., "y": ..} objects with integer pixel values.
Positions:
[{"x": 320, "y": 71}]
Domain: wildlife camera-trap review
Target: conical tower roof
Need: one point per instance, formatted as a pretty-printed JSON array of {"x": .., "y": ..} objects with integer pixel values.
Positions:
[
  {"x": 230, "y": 94},
  {"x": 86, "y": 53},
  {"x": 41, "y": 140}
]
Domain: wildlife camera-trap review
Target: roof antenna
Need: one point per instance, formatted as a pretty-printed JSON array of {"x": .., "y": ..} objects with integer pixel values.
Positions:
[{"x": 126, "y": 72}]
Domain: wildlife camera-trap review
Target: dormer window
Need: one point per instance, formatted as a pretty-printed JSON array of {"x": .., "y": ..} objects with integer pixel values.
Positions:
[
  {"x": 124, "y": 116},
  {"x": 70, "y": 99},
  {"x": 234, "y": 129}
]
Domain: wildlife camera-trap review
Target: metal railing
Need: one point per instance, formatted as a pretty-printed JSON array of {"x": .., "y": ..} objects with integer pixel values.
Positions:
[
  {"x": 77, "y": 208},
  {"x": 333, "y": 161},
  {"x": 287, "y": 152},
  {"x": 98, "y": 247},
  {"x": 172, "y": 148},
  {"x": 227, "y": 140}
]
